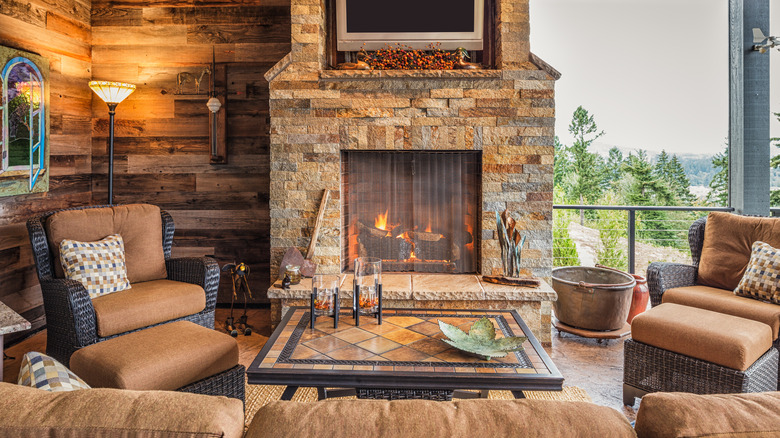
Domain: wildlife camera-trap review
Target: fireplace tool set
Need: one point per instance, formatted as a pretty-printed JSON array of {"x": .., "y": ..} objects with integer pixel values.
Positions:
[
  {"x": 366, "y": 295},
  {"x": 239, "y": 274}
]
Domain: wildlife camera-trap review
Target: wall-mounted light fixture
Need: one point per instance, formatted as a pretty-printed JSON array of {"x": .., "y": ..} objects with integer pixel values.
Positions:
[
  {"x": 112, "y": 93},
  {"x": 762, "y": 43},
  {"x": 218, "y": 116}
]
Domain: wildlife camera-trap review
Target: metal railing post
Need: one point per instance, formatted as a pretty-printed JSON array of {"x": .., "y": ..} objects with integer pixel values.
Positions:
[{"x": 631, "y": 240}]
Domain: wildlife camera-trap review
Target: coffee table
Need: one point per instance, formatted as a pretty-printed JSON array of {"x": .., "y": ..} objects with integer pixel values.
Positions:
[{"x": 404, "y": 357}]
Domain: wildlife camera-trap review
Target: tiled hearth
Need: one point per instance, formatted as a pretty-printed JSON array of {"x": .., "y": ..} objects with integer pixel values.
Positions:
[
  {"x": 436, "y": 291},
  {"x": 506, "y": 114}
]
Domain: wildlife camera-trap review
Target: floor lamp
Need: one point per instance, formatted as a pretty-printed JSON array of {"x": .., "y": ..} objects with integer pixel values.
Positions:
[{"x": 112, "y": 93}]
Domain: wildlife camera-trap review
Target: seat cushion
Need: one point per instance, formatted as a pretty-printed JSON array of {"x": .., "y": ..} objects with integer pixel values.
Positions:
[
  {"x": 140, "y": 226},
  {"x": 147, "y": 303},
  {"x": 722, "y": 339},
  {"x": 724, "y": 301},
  {"x": 426, "y": 418},
  {"x": 164, "y": 357},
  {"x": 689, "y": 415},
  {"x": 728, "y": 239},
  {"x": 32, "y": 413}
]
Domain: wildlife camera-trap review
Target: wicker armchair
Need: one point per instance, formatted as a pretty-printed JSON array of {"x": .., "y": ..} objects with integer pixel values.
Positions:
[
  {"x": 70, "y": 316},
  {"x": 662, "y": 276}
]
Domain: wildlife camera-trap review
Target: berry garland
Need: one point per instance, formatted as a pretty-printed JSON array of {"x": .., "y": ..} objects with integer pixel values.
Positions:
[{"x": 403, "y": 57}]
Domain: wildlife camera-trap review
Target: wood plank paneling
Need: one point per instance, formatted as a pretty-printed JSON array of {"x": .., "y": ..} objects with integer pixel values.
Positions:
[
  {"x": 162, "y": 138},
  {"x": 60, "y": 31}
]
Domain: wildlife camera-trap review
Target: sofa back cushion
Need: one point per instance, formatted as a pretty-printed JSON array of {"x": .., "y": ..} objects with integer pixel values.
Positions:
[
  {"x": 728, "y": 240},
  {"x": 689, "y": 415},
  {"x": 30, "y": 412},
  {"x": 427, "y": 419},
  {"x": 140, "y": 226}
]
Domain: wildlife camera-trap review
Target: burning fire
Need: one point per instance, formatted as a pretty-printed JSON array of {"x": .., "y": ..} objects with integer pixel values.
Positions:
[
  {"x": 380, "y": 222},
  {"x": 428, "y": 228}
]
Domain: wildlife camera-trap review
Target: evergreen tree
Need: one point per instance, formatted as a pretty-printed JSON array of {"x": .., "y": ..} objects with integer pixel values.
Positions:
[
  {"x": 719, "y": 185},
  {"x": 649, "y": 189},
  {"x": 587, "y": 165},
  {"x": 774, "y": 163},
  {"x": 670, "y": 170},
  {"x": 680, "y": 182},
  {"x": 562, "y": 163},
  {"x": 613, "y": 167}
]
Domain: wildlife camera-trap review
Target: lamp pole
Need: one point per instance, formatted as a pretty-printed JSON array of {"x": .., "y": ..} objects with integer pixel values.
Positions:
[
  {"x": 111, "y": 112},
  {"x": 112, "y": 93}
]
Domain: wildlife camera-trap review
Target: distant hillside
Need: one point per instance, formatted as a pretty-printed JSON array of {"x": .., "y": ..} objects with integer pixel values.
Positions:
[{"x": 698, "y": 168}]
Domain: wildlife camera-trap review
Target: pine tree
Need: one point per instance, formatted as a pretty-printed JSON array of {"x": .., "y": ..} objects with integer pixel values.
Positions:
[
  {"x": 587, "y": 165},
  {"x": 562, "y": 164},
  {"x": 649, "y": 189},
  {"x": 774, "y": 163},
  {"x": 670, "y": 170},
  {"x": 719, "y": 185},
  {"x": 680, "y": 181},
  {"x": 613, "y": 168}
]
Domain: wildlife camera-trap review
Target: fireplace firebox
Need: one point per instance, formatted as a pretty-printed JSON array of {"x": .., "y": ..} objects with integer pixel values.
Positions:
[{"x": 417, "y": 211}]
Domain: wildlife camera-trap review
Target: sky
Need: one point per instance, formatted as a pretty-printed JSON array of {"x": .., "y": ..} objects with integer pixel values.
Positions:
[{"x": 654, "y": 73}]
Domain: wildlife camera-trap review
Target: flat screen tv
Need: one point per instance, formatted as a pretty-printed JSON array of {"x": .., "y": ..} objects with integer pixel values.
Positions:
[{"x": 374, "y": 24}]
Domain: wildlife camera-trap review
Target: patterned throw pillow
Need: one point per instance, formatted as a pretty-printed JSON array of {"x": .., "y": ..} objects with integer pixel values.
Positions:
[
  {"x": 43, "y": 372},
  {"x": 762, "y": 276},
  {"x": 99, "y": 266}
]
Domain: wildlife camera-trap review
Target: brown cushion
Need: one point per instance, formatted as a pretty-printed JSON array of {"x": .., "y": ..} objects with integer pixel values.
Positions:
[
  {"x": 32, "y": 413},
  {"x": 140, "y": 226},
  {"x": 165, "y": 357},
  {"x": 728, "y": 239},
  {"x": 147, "y": 303},
  {"x": 722, "y": 339},
  {"x": 688, "y": 415},
  {"x": 724, "y": 301},
  {"x": 426, "y": 419}
]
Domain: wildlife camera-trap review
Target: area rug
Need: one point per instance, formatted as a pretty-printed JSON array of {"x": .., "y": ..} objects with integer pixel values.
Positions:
[{"x": 258, "y": 396}]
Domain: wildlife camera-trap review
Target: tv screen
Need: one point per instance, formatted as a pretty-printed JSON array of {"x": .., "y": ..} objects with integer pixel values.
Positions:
[{"x": 416, "y": 23}]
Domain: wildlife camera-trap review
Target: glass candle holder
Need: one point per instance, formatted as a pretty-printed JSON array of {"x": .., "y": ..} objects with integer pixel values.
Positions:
[
  {"x": 323, "y": 289},
  {"x": 368, "y": 280},
  {"x": 294, "y": 272}
]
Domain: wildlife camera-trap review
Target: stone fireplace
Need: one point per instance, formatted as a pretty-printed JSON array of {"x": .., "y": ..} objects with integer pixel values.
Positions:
[
  {"x": 415, "y": 210},
  {"x": 499, "y": 121}
]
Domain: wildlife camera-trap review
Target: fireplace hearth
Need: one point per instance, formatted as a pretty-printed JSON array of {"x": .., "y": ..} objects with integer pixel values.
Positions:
[{"x": 417, "y": 211}]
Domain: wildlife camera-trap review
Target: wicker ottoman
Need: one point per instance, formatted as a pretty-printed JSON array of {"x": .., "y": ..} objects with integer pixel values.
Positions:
[
  {"x": 180, "y": 356},
  {"x": 677, "y": 348}
]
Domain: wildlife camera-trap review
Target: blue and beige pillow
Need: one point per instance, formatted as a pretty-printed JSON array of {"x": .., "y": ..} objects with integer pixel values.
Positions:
[
  {"x": 43, "y": 372},
  {"x": 762, "y": 276},
  {"x": 100, "y": 266}
]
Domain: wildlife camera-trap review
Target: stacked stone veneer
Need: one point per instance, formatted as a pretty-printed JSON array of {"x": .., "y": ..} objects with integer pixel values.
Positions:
[{"x": 507, "y": 113}]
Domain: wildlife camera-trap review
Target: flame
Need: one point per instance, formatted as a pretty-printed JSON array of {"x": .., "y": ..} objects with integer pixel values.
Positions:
[
  {"x": 428, "y": 228},
  {"x": 380, "y": 222},
  {"x": 412, "y": 256}
]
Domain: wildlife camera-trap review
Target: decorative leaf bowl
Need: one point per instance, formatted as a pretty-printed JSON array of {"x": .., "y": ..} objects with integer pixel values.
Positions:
[{"x": 481, "y": 340}]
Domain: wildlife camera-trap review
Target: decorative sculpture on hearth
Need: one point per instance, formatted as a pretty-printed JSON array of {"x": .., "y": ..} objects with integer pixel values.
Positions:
[
  {"x": 239, "y": 274},
  {"x": 511, "y": 241}
]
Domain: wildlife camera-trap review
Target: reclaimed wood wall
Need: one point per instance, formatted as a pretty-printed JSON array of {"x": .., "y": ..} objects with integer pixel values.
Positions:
[
  {"x": 60, "y": 31},
  {"x": 161, "y": 147}
]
